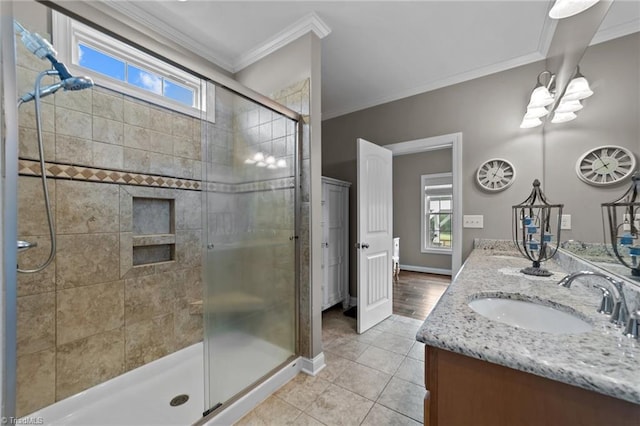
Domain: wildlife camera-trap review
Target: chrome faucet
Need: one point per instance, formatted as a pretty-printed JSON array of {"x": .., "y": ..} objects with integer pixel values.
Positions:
[{"x": 619, "y": 312}]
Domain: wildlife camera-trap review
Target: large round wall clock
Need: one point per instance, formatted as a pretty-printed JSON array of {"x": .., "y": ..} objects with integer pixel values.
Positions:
[
  {"x": 495, "y": 175},
  {"x": 605, "y": 165}
]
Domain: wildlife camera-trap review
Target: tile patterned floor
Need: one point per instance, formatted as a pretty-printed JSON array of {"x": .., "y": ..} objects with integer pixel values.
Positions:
[{"x": 373, "y": 379}]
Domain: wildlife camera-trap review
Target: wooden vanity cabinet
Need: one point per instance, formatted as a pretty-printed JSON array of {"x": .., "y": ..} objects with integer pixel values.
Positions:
[{"x": 466, "y": 391}]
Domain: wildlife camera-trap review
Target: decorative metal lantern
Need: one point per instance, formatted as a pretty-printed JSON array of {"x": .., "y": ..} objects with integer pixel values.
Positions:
[
  {"x": 534, "y": 221},
  {"x": 621, "y": 226}
]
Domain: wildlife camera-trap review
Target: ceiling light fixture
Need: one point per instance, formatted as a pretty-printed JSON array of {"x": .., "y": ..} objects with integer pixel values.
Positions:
[
  {"x": 543, "y": 95},
  {"x": 536, "y": 112},
  {"x": 563, "y": 117},
  {"x": 566, "y": 8},
  {"x": 569, "y": 106},
  {"x": 578, "y": 88},
  {"x": 529, "y": 123}
]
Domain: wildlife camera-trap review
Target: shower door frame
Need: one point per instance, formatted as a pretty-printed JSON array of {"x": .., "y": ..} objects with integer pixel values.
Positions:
[
  {"x": 211, "y": 412},
  {"x": 9, "y": 202}
]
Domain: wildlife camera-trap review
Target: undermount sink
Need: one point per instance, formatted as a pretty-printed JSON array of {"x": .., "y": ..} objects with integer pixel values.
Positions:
[{"x": 529, "y": 315}]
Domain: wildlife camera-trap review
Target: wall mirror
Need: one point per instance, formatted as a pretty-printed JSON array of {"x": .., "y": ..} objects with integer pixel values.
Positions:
[{"x": 609, "y": 117}]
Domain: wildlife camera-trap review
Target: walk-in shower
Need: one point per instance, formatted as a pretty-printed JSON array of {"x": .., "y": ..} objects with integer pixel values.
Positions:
[
  {"x": 44, "y": 50},
  {"x": 173, "y": 257}
]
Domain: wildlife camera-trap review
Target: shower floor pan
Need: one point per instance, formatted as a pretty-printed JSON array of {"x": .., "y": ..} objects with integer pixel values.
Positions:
[
  {"x": 139, "y": 397},
  {"x": 143, "y": 396}
]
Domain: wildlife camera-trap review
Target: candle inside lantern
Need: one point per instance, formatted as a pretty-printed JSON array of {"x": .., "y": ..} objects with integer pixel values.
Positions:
[
  {"x": 634, "y": 251},
  {"x": 532, "y": 229},
  {"x": 547, "y": 238},
  {"x": 626, "y": 240}
]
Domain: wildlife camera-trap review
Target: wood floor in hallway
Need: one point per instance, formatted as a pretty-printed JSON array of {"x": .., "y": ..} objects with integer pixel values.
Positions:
[{"x": 415, "y": 293}]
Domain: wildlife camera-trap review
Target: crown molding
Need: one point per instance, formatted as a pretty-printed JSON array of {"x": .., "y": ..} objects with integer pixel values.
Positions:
[
  {"x": 616, "y": 32},
  {"x": 162, "y": 28},
  {"x": 308, "y": 23},
  {"x": 459, "y": 78},
  {"x": 546, "y": 33}
]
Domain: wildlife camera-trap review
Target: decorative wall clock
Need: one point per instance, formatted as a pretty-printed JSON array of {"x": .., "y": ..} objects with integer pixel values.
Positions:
[
  {"x": 495, "y": 175},
  {"x": 605, "y": 165}
]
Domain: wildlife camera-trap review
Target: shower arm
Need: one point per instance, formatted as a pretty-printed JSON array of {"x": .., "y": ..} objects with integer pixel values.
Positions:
[{"x": 43, "y": 172}]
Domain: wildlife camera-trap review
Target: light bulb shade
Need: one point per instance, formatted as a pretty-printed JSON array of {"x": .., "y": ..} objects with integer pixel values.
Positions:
[
  {"x": 568, "y": 106},
  {"x": 577, "y": 89},
  {"x": 249, "y": 161},
  {"x": 566, "y": 8},
  {"x": 536, "y": 112},
  {"x": 540, "y": 97},
  {"x": 563, "y": 117},
  {"x": 529, "y": 123},
  {"x": 270, "y": 160},
  {"x": 261, "y": 164},
  {"x": 258, "y": 156},
  {"x": 281, "y": 163}
]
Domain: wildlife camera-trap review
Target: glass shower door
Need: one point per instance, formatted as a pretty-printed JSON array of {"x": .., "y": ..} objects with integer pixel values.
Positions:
[{"x": 249, "y": 258}]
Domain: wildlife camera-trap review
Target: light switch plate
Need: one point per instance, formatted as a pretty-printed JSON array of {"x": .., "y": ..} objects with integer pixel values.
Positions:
[
  {"x": 473, "y": 221},
  {"x": 565, "y": 223}
]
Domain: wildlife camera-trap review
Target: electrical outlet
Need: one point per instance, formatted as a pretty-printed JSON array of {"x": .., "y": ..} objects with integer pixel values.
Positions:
[
  {"x": 565, "y": 223},
  {"x": 473, "y": 221}
]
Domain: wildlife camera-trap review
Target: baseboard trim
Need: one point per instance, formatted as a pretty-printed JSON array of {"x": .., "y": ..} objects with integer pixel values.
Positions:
[
  {"x": 425, "y": 269},
  {"x": 312, "y": 366},
  {"x": 251, "y": 400},
  {"x": 353, "y": 301}
]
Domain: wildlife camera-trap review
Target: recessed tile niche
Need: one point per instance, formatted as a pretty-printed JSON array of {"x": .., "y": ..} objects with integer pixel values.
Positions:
[{"x": 154, "y": 238}]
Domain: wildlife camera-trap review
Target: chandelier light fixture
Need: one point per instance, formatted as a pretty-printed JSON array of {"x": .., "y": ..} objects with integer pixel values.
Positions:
[{"x": 543, "y": 97}]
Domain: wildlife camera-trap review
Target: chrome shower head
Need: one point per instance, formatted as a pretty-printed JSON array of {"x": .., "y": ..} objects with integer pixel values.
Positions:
[
  {"x": 72, "y": 83},
  {"x": 77, "y": 83}
]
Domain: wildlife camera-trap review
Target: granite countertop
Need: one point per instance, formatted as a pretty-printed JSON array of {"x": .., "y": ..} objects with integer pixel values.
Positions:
[{"x": 601, "y": 360}]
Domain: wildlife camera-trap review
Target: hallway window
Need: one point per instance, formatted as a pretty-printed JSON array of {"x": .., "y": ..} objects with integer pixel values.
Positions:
[
  {"x": 437, "y": 212},
  {"x": 126, "y": 69}
]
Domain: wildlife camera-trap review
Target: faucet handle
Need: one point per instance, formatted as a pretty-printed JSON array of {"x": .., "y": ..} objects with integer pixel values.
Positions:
[
  {"x": 606, "y": 304},
  {"x": 620, "y": 314},
  {"x": 633, "y": 326}
]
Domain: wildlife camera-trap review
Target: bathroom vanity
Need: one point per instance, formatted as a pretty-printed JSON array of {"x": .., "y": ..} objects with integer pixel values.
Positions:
[{"x": 484, "y": 371}]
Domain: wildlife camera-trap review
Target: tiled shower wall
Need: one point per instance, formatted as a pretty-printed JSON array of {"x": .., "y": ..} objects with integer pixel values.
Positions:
[{"x": 91, "y": 315}]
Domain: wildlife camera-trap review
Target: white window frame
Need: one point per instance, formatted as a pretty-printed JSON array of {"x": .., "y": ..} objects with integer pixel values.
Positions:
[
  {"x": 431, "y": 180},
  {"x": 67, "y": 33}
]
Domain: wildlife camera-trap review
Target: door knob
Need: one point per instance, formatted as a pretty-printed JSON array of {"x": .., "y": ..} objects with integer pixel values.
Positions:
[{"x": 365, "y": 246}]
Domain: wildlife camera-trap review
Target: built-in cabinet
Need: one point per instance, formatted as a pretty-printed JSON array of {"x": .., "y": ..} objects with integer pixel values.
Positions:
[
  {"x": 467, "y": 391},
  {"x": 335, "y": 241}
]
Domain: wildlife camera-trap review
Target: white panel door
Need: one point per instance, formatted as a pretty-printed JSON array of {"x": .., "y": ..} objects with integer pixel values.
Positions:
[{"x": 375, "y": 234}]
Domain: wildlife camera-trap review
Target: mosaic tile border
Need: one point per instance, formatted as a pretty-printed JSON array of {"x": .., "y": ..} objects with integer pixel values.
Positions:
[{"x": 92, "y": 174}]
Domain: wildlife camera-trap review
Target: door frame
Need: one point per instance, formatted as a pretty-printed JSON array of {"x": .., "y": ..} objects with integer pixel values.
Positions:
[{"x": 453, "y": 141}]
